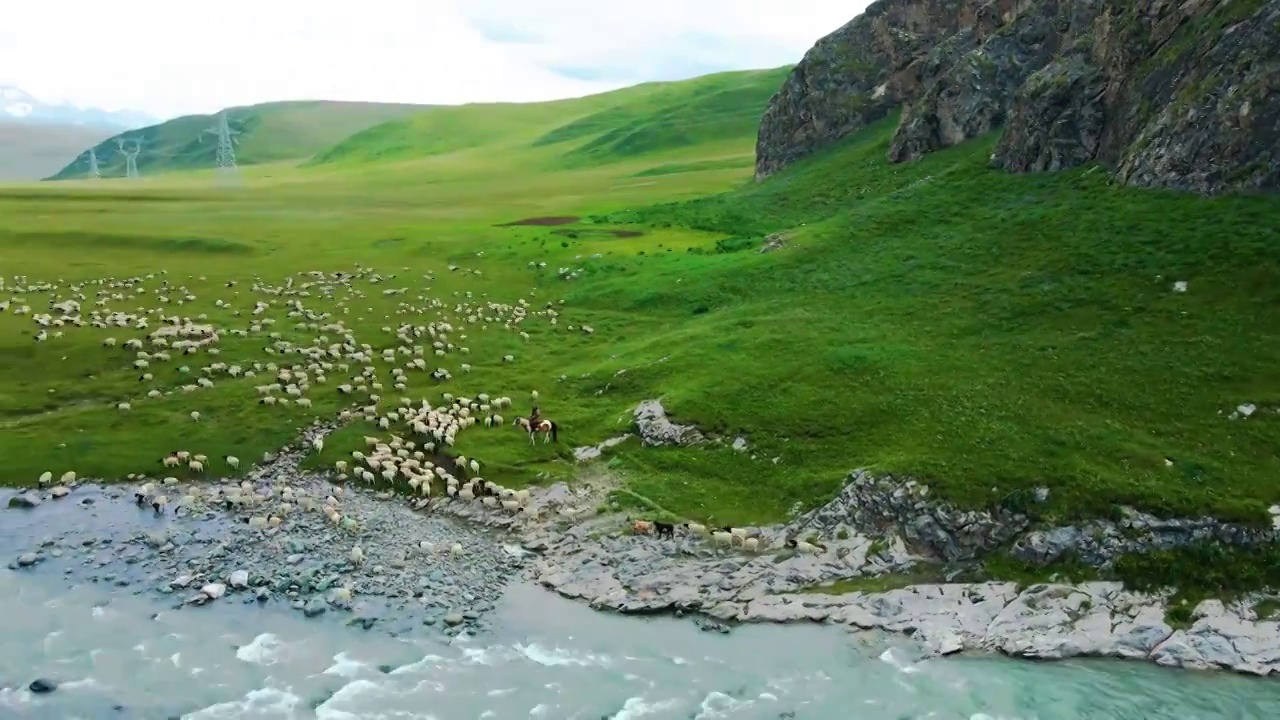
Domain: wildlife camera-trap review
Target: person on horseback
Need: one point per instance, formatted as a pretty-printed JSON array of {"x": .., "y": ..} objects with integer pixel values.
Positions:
[{"x": 534, "y": 418}]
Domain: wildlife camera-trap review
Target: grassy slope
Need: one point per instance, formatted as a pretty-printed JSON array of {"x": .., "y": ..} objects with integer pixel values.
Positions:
[
  {"x": 269, "y": 132},
  {"x": 29, "y": 151},
  {"x": 989, "y": 332},
  {"x": 637, "y": 121},
  {"x": 984, "y": 331}
]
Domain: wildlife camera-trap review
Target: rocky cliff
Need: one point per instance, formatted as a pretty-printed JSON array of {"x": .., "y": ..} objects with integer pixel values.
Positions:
[{"x": 1168, "y": 94}]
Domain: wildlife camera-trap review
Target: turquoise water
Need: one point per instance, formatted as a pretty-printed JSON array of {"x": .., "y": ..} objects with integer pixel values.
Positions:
[{"x": 544, "y": 658}]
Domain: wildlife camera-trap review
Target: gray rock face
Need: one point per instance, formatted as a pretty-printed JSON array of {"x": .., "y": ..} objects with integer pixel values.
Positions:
[
  {"x": 1059, "y": 119},
  {"x": 869, "y": 502},
  {"x": 854, "y": 77},
  {"x": 947, "y": 533},
  {"x": 1101, "y": 542},
  {"x": 1177, "y": 95}
]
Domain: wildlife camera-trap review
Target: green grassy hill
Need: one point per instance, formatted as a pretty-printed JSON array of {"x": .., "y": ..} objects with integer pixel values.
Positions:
[
  {"x": 268, "y": 132},
  {"x": 985, "y": 332},
  {"x": 644, "y": 120},
  {"x": 30, "y": 151}
]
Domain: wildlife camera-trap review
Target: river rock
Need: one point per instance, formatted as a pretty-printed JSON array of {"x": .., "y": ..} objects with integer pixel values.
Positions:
[
  {"x": 41, "y": 686},
  {"x": 60, "y": 491},
  {"x": 28, "y": 559},
  {"x": 24, "y": 501},
  {"x": 213, "y": 591},
  {"x": 239, "y": 579}
]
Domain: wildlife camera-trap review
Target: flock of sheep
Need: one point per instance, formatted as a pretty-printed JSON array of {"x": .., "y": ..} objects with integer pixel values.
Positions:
[
  {"x": 331, "y": 348},
  {"x": 307, "y": 327},
  {"x": 751, "y": 540},
  {"x": 305, "y": 345}
]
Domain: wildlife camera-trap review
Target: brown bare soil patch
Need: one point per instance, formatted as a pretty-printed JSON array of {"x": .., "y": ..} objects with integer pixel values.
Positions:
[
  {"x": 562, "y": 220},
  {"x": 597, "y": 232}
]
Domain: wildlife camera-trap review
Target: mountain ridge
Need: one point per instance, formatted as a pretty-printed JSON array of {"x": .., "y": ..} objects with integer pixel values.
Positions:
[
  {"x": 266, "y": 132},
  {"x": 17, "y": 105}
]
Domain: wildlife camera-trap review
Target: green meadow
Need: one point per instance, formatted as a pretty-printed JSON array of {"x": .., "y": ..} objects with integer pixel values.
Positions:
[{"x": 986, "y": 333}]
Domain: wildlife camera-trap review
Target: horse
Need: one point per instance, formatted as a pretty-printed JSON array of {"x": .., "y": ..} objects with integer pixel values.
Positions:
[{"x": 543, "y": 425}]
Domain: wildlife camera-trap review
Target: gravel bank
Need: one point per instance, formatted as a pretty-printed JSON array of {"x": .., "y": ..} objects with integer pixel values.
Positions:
[{"x": 204, "y": 553}]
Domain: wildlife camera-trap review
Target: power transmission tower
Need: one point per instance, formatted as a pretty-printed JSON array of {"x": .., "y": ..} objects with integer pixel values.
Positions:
[
  {"x": 226, "y": 157},
  {"x": 130, "y": 158},
  {"x": 94, "y": 172}
]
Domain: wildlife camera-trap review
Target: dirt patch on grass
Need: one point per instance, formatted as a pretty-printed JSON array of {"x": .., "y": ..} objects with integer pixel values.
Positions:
[
  {"x": 597, "y": 232},
  {"x": 560, "y": 220}
]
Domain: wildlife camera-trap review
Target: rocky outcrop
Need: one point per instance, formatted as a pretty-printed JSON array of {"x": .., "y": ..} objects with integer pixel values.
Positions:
[
  {"x": 656, "y": 429},
  {"x": 943, "y": 532},
  {"x": 1178, "y": 95},
  {"x": 592, "y": 561},
  {"x": 881, "y": 504},
  {"x": 855, "y": 76}
]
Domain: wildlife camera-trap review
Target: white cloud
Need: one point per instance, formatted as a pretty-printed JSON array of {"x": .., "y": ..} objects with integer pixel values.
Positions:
[{"x": 170, "y": 57}]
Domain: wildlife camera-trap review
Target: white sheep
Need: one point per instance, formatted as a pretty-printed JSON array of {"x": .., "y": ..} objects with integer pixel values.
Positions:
[
  {"x": 195, "y": 415},
  {"x": 806, "y": 547},
  {"x": 232, "y": 461}
]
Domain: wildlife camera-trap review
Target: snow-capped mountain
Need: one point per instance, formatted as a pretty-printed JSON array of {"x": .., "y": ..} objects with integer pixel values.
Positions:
[{"x": 16, "y": 105}]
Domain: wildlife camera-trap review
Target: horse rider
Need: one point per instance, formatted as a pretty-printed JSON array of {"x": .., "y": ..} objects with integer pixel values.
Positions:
[{"x": 534, "y": 418}]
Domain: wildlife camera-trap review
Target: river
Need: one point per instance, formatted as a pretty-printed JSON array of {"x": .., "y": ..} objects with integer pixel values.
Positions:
[{"x": 123, "y": 656}]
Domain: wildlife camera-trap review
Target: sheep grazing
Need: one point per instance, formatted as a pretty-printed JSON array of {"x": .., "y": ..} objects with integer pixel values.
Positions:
[
  {"x": 141, "y": 494},
  {"x": 46, "y": 477},
  {"x": 641, "y": 527},
  {"x": 805, "y": 547},
  {"x": 667, "y": 530},
  {"x": 696, "y": 529},
  {"x": 232, "y": 461},
  {"x": 357, "y": 556},
  {"x": 195, "y": 415}
]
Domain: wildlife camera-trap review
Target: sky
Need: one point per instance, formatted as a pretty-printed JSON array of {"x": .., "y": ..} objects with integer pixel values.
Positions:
[{"x": 173, "y": 57}]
